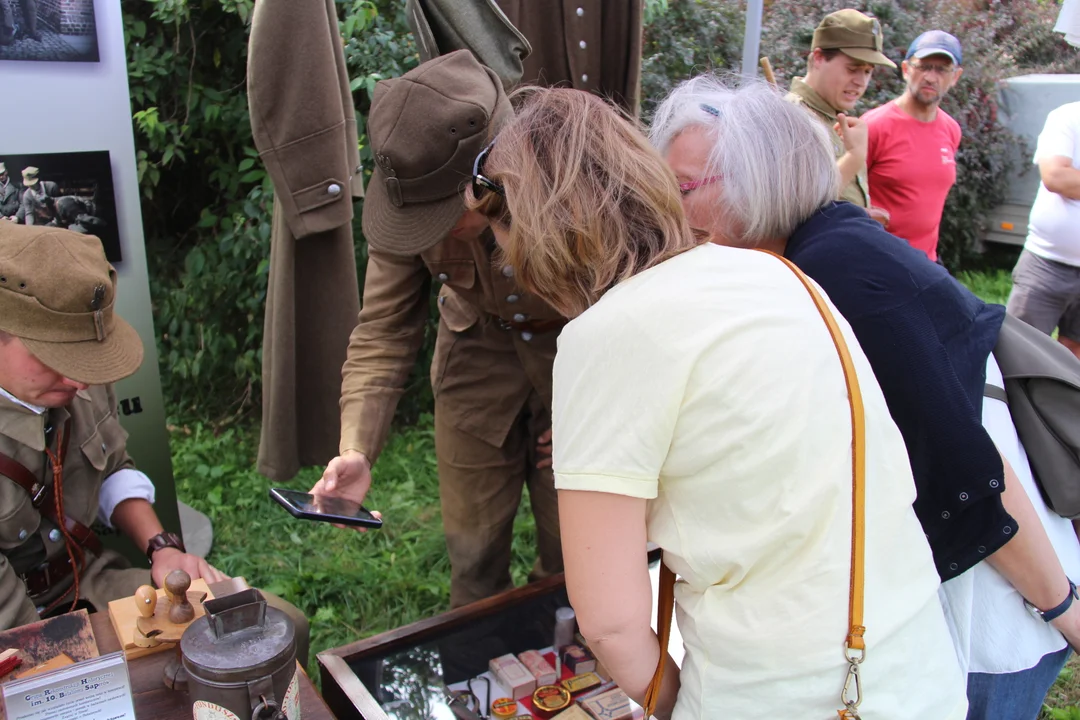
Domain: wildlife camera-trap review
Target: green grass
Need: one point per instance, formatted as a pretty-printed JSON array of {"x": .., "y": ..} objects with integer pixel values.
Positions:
[
  {"x": 352, "y": 585},
  {"x": 992, "y": 286}
]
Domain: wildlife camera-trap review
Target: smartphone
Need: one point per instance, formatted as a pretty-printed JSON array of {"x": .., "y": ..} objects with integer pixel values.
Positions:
[{"x": 325, "y": 508}]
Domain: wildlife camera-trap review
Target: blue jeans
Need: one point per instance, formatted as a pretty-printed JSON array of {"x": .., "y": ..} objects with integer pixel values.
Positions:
[{"x": 1013, "y": 696}]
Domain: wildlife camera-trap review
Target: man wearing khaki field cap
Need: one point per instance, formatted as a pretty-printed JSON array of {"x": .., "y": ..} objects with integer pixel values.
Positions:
[
  {"x": 63, "y": 453},
  {"x": 491, "y": 372},
  {"x": 845, "y": 49}
]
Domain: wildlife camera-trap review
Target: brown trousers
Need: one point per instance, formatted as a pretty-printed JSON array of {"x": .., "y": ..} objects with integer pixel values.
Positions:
[{"x": 480, "y": 487}]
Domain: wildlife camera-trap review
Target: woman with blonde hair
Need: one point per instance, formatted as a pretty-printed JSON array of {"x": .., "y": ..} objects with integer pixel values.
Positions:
[{"x": 699, "y": 402}]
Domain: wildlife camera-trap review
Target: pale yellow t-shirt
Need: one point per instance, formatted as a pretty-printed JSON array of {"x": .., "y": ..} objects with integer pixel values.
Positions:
[{"x": 710, "y": 386}]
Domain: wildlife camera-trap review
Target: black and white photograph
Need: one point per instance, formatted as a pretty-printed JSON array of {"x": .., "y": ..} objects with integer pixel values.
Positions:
[
  {"x": 68, "y": 190},
  {"x": 48, "y": 30}
]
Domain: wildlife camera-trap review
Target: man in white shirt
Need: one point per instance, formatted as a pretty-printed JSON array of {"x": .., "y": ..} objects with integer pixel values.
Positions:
[{"x": 1046, "y": 279}]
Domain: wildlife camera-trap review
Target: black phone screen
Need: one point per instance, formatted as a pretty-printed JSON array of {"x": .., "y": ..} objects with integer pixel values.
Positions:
[{"x": 324, "y": 508}]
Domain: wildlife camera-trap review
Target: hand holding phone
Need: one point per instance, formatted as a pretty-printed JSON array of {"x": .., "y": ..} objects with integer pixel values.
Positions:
[{"x": 324, "y": 508}]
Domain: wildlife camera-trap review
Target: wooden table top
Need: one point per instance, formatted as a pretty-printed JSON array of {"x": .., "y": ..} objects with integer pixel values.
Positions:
[{"x": 153, "y": 701}]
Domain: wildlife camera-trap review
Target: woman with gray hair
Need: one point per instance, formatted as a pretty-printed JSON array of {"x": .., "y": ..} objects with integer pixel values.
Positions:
[{"x": 756, "y": 171}]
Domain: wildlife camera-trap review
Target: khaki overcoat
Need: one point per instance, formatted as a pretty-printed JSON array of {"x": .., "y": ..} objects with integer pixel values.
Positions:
[
  {"x": 96, "y": 449},
  {"x": 592, "y": 45},
  {"x": 304, "y": 126}
]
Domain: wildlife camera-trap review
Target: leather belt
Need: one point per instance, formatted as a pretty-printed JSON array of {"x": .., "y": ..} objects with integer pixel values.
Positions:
[
  {"x": 46, "y": 575},
  {"x": 535, "y": 327}
]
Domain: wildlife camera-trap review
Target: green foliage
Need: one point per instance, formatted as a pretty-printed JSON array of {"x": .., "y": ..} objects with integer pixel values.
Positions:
[{"x": 685, "y": 38}]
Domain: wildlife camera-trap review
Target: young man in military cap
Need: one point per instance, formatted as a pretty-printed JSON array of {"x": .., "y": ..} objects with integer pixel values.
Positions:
[
  {"x": 491, "y": 372},
  {"x": 63, "y": 453},
  {"x": 845, "y": 49},
  {"x": 911, "y": 160}
]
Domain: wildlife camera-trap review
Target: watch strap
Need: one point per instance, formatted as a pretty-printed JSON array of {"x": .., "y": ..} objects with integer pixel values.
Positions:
[
  {"x": 163, "y": 540},
  {"x": 1056, "y": 612}
]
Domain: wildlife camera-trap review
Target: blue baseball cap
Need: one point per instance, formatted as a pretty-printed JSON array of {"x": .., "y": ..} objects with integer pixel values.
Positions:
[{"x": 935, "y": 42}]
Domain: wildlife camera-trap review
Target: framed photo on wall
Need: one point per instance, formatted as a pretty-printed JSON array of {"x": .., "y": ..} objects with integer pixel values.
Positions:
[
  {"x": 48, "y": 30},
  {"x": 69, "y": 190}
]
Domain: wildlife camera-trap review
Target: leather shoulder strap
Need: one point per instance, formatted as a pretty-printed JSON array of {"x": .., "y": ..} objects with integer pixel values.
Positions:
[{"x": 17, "y": 473}]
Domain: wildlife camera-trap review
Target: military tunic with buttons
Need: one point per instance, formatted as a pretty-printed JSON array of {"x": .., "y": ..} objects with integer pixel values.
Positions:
[
  {"x": 96, "y": 449},
  {"x": 492, "y": 386},
  {"x": 858, "y": 190},
  {"x": 591, "y": 45}
]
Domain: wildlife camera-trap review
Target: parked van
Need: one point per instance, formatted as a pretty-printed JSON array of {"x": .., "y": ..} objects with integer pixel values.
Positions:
[{"x": 1024, "y": 102}]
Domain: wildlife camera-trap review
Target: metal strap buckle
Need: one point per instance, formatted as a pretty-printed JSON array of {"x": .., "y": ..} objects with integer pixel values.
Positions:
[
  {"x": 38, "y": 495},
  {"x": 853, "y": 683}
]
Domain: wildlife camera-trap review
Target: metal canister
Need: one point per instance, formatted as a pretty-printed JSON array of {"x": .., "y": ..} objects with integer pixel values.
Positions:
[{"x": 240, "y": 660}]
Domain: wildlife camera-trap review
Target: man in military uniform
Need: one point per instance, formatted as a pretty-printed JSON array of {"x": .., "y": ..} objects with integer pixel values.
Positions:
[
  {"x": 491, "y": 372},
  {"x": 10, "y": 198},
  {"x": 35, "y": 208},
  {"x": 63, "y": 453},
  {"x": 846, "y": 47}
]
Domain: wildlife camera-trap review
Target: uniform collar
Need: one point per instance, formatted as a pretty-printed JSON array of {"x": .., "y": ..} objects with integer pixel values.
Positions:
[
  {"x": 20, "y": 422},
  {"x": 811, "y": 98}
]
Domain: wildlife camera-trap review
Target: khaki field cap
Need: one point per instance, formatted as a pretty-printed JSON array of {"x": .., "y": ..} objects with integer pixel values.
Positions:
[
  {"x": 29, "y": 176},
  {"x": 57, "y": 293},
  {"x": 856, "y": 35},
  {"x": 426, "y": 128}
]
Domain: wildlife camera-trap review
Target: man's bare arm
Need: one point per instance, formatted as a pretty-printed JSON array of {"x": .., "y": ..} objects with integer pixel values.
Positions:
[{"x": 1059, "y": 176}]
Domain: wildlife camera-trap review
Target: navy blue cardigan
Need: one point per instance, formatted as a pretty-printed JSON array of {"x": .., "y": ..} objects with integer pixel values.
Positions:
[{"x": 927, "y": 338}]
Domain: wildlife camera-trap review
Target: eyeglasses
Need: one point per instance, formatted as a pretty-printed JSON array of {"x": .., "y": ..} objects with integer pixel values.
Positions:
[
  {"x": 928, "y": 68},
  {"x": 480, "y": 183},
  {"x": 688, "y": 187}
]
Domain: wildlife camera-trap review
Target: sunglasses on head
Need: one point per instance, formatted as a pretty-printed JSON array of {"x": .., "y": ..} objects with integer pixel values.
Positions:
[{"x": 480, "y": 182}]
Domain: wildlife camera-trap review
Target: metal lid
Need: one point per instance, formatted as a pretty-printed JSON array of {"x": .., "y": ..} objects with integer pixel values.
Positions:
[{"x": 238, "y": 638}]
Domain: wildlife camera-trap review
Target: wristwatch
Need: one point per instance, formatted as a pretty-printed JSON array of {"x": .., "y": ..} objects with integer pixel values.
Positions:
[
  {"x": 1056, "y": 612},
  {"x": 163, "y": 540}
]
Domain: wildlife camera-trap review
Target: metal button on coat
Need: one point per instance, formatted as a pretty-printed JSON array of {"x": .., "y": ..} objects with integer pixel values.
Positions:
[
  {"x": 54, "y": 535},
  {"x": 103, "y": 447},
  {"x": 23, "y": 534},
  {"x": 945, "y": 515},
  {"x": 442, "y": 300},
  {"x": 512, "y": 298},
  {"x": 584, "y": 78},
  {"x": 443, "y": 277},
  {"x": 582, "y": 45},
  {"x": 520, "y": 317},
  {"x": 507, "y": 271},
  {"x": 580, "y": 12},
  {"x": 526, "y": 336},
  {"x": 334, "y": 189}
]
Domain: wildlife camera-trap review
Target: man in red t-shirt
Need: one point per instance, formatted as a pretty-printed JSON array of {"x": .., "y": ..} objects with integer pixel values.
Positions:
[{"x": 911, "y": 159}]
